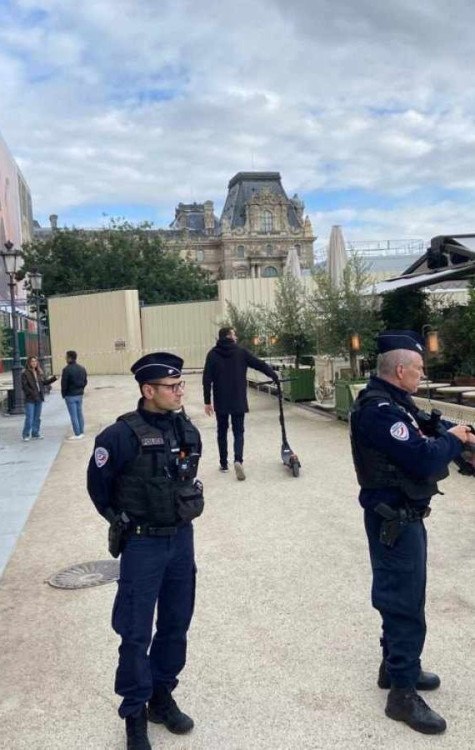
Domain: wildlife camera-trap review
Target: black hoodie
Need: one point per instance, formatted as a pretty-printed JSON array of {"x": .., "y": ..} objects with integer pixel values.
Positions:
[{"x": 225, "y": 370}]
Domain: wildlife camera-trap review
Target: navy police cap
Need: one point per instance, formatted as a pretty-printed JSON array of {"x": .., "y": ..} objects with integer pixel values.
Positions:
[
  {"x": 389, "y": 340},
  {"x": 157, "y": 366}
]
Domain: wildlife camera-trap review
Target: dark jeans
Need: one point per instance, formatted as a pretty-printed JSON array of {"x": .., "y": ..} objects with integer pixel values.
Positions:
[
  {"x": 237, "y": 422},
  {"x": 398, "y": 592},
  {"x": 153, "y": 571}
]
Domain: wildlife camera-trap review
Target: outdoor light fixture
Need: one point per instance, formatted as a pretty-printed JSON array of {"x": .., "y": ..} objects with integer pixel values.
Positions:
[
  {"x": 10, "y": 258},
  {"x": 36, "y": 281},
  {"x": 432, "y": 341},
  {"x": 256, "y": 340},
  {"x": 273, "y": 340},
  {"x": 355, "y": 344}
]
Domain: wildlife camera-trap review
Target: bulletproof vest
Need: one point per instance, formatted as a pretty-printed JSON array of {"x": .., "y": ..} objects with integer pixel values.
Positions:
[
  {"x": 146, "y": 488},
  {"x": 373, "y": 468}
]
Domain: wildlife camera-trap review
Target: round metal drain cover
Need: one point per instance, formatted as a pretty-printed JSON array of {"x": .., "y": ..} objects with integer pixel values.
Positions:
[{"x": 85, "y": 575}]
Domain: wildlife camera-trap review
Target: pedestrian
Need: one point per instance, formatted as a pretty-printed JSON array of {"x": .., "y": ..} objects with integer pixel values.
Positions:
[
  {"x": 142, "y": 479},
  {"x": 225, "y": 373},
  {"x": 33, "y": 382},
  {"x": 398, "y": 467},
  {"x": 73, "y": 382}
]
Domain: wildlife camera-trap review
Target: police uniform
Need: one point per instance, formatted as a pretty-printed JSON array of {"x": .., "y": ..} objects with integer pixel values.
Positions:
[
  {"x": 134, "y": 476},
  {"x": 398, "y": 467}
]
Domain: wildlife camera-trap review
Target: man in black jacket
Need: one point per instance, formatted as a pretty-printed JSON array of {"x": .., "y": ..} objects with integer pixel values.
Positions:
[
  {"x": 73, "y": 382},
  {"x": 225, "y": 371}
]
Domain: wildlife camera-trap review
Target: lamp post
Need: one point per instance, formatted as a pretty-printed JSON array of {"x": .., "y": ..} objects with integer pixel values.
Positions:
[
  {"x": 36, "y": 280},
  {"x": 10, "y": 258}
]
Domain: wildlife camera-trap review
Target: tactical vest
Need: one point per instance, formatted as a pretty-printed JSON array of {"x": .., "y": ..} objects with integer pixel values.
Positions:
[
  {"x": 374, "y": 470},
  {"x": 147, "y": 487}
]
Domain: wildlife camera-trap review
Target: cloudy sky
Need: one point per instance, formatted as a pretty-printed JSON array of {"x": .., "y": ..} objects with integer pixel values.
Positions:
[{"x": 127, "y": 107}]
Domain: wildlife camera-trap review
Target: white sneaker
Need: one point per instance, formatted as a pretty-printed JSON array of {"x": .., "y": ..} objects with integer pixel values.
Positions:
[
  {"x": 75, "y": 437},
  {"x": 25, "y": 440},
  {"x": 238, "y": 468},
  {"x": 37, "y": 437}
]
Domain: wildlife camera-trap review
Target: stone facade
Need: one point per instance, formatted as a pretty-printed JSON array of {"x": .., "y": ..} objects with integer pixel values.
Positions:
[{"x": 258, "y": 226}]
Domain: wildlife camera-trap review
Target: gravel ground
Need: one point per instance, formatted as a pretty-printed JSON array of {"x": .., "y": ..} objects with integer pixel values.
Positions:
[{"x": 283, "y": 649}]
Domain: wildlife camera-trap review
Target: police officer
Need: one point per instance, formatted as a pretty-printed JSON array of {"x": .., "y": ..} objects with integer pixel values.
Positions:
[
  {"x": 141, "y": 478},
  {"x": 397, "y": 468}
]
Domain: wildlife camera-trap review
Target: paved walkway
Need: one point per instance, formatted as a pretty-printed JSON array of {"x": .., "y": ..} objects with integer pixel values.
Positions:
[
  {"x": 283, "y": 650},
  {"x": 25, "y": 466}
]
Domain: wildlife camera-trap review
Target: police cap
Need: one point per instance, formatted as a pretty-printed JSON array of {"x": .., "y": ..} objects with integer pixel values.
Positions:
[
  {"x": 389, "y": 340},
  {"x": 157, "y": 366}
]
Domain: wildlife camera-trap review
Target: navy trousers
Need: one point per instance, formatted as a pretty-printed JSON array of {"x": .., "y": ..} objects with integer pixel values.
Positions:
[
  {"x": 153, "y": 571},
  {"x": 398, "y": 592},
  {"x": 237, "y": 422}
]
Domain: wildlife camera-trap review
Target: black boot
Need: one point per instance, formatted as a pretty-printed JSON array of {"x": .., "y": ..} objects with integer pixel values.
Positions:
[
  {"x": 162, "y": 709},
  {"x": 404, "y": 704},
  {"x": 136, "y": 728},
  {"x": 426, "y": 680}
]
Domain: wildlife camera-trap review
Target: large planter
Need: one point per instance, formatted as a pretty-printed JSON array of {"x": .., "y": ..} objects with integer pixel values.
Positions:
[
  {"x": 345, "y": 393},
  {"x": 301, "y": 383}
]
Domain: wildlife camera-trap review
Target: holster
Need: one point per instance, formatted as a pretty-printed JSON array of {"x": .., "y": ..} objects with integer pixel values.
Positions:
[{"x": 118, "y": 534}]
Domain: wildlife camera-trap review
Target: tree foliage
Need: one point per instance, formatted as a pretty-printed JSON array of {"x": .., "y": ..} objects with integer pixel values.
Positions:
[
  {"x": 120, "y": 256},
  {"x": 290, "y": 320},
  {"x": 456, "y": 327},
  {"x": 244, "y": 323},
  {"x": 341, "y": 310},
  {"x": 405, "y": 309}
]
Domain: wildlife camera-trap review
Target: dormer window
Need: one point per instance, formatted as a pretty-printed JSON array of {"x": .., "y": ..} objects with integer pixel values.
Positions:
[{"x": 240, "y": 251}]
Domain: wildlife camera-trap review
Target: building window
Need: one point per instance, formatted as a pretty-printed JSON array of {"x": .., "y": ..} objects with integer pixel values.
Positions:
[
  {"x": 270, "y": 271},
  {"x": 241, "y": 274},
  {"x": 298, "y": 248},
  {"x": 267, "y": 222},
  {"x": 240, "y": 251},
  {"x": 269, "y": 250},
  {"x": 200, "y": 256}
]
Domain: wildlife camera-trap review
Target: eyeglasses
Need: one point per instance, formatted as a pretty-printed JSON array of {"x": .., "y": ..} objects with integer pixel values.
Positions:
[{"x": 174, "y": 387}]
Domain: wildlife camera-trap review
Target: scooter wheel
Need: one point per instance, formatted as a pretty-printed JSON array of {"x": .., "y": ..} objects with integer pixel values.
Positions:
[{"x": 295, "y": 468}]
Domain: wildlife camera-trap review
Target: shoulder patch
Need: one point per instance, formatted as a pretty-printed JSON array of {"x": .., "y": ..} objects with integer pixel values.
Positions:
[
  {"x": 101, "y": 457},
  {"x": 399, "y": 431}
]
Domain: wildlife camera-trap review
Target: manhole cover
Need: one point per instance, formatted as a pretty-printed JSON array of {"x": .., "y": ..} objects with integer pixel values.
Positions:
[{"x": 85, "y": 575}]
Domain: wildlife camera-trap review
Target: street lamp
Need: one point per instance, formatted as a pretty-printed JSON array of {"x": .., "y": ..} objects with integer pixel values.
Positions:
[
  {"x": 10, "y": 258},
  {"x": 36, "y": 280}
]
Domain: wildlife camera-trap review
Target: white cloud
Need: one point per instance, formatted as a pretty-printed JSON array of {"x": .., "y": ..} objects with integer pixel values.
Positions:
[{"x": 128, "y": 101}]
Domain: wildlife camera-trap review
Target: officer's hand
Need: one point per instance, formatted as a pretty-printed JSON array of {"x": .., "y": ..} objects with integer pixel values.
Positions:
[
  {"x": 209, "y": 411},
  {"x": 462, "y": 432}
]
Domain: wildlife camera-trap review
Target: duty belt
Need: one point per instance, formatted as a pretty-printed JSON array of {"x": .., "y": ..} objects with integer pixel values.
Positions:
[{"x": 146, "y": 529}]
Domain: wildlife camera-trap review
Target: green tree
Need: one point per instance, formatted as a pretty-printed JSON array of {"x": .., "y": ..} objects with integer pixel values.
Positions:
[
  {"x": 244, "y": 322},
  {"x": 120, "y": 256},
  {"x": 456, "y": 327},
  {"x": 344, "y": 309},
  {"x": 405, "y": 309},
  {"x": 290, "y": 320}
]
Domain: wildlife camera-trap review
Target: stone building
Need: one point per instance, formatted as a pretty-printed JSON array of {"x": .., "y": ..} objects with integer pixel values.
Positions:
[{"x": 258, "y": 226}]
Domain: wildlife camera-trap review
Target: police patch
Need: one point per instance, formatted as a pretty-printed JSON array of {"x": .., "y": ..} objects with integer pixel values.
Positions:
[
  {"x": 399, "y": 431},
  {"x": 101, "y": 457}
]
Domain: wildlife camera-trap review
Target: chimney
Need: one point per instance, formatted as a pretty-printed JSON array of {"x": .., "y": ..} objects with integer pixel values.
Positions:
[
  {"x": 53, "y": 220},
  {"x": 209, "y": 216}
]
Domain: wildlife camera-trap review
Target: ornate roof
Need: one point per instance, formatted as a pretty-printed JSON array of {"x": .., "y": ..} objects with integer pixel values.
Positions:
[{"x": 248, "y": 186}]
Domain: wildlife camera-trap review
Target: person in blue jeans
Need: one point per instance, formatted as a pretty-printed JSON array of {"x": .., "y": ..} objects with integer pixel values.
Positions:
[
  {"x": 73, "y": 382},
  {"x": 33, "y": 384}
]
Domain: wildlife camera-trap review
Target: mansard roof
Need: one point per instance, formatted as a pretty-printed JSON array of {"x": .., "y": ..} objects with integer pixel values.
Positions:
[
  {"x": 246, "y": 185},
  {"x": 191, "y": 216}
]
